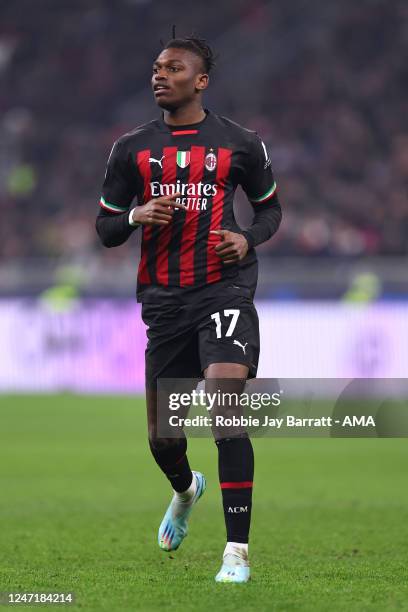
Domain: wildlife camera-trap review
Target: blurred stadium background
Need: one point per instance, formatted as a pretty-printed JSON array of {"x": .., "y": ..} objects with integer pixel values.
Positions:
[{"x": 324, "y": 83}]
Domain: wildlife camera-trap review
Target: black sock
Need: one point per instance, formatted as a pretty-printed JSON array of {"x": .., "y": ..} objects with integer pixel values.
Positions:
[
  {"x": 170, "y": 456},
  {"x": 236, "y": 472}
]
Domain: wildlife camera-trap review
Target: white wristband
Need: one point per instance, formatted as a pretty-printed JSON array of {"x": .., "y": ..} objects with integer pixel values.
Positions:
[{"x": 131, "y": 222}]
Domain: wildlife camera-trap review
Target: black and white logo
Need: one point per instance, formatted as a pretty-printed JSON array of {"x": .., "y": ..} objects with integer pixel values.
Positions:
[
  {"x": 153, "y": 160},
  {"x": 237, "y": 509},
  {"x": 243, "y": 346}
]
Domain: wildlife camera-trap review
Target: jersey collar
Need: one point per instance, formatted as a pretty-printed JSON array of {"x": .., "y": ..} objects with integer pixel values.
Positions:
[{"x": 192, "y": 128}]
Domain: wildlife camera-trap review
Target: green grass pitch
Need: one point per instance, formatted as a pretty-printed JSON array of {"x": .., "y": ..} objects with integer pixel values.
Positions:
[{"x": 81, "y": 500}]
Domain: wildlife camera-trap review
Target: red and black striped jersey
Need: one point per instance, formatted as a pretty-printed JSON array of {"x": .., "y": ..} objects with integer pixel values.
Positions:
[{"x": 205, "y": 162}]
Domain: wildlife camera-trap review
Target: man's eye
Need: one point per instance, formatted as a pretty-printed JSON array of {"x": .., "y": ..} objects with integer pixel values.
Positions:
[
  {"x": 174, "y": 69},
  {"x": 155, "y": 70}
]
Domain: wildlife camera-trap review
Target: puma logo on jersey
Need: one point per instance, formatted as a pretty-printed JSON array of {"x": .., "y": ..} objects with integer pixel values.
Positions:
[
  {"x": 237, "y": 342},
  {"x": 153, "y": 160}
]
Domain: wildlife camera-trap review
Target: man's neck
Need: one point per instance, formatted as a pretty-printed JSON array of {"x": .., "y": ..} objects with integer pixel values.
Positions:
[{"x": 184, "y": 115}]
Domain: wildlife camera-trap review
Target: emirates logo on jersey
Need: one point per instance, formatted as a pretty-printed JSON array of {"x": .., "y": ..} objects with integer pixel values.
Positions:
[
  {"x": 158, "y": 189},
  {"x": 193, "y": 195},
  {"x": 183, "y": 159},
  {"x": 210, "y": 161}
]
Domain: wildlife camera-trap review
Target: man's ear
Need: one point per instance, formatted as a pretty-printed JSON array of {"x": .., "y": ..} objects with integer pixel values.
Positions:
[{"x": 202, "y": 81}]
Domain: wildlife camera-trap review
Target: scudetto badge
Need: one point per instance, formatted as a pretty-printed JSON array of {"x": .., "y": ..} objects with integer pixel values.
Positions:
[
  {"x": 183, "y": 158},
  {"x": 210, "y": 161}
]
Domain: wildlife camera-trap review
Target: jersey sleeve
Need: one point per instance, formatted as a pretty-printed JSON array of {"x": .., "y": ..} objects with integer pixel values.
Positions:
[
  {"x": 259, "y": 183},
  {"x": 121, "y": 181},
  {"x": 260, "y": 187}
]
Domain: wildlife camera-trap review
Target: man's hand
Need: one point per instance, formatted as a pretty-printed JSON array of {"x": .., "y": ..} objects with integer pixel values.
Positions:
[
  {"x": 158, "y": 211},
  {"x": 232, "y": 248}
]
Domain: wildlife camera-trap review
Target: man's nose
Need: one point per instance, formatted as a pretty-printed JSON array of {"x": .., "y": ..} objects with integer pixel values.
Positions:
[{"x": 161, "y": 74}]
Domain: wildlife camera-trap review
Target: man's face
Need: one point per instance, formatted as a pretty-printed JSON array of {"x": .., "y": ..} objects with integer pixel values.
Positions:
[{"x": 178, "y": 78}]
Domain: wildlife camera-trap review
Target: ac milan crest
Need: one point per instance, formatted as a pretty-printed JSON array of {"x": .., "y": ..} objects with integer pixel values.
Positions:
[{"x": 210, "y": 161}]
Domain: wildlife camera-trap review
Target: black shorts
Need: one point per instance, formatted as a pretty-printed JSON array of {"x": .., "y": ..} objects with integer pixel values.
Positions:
[{"x": 184, "y": 339}]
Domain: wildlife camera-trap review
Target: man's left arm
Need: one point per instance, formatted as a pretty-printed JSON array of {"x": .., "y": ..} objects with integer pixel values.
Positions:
[{"x": 260, "y": 187}]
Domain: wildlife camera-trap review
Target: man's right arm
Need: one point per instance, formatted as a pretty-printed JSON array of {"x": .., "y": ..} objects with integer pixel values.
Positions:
[
  {"x": 113, "y": 229},
  {"x": 117, "y": 219},
  {"x": 119, "y": 188}
]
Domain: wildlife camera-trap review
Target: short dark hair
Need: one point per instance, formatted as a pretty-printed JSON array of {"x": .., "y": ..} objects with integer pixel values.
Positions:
[{"x": 196, "y": 45}]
